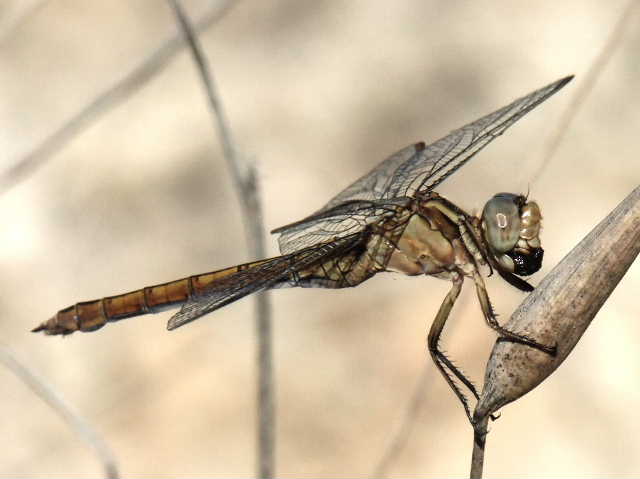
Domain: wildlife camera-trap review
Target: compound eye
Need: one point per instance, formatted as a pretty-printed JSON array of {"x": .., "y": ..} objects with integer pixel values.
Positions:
[{"x": 501, "y": 219}]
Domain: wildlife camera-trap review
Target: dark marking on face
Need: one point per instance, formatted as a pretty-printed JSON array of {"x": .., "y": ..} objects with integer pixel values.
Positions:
[{"x": 527, "y": 264}]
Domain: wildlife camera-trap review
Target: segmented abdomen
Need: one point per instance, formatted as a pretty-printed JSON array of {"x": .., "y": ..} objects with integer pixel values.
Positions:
[{"x": 91, "y": 315}]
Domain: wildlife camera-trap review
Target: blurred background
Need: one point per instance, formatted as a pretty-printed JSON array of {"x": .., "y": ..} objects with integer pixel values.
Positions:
[{"x": 316, "y": 92}]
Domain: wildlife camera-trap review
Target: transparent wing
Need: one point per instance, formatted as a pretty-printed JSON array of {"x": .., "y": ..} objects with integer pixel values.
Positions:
[
  {"x": 373, "y": 185},
  {"x": 421, "y": 168},
  {"x": 430, "y": 166},
  {"x": 328, "y": 225},
  {"x": 262, "y": 276},
  {"x": 416, "y": 168}
]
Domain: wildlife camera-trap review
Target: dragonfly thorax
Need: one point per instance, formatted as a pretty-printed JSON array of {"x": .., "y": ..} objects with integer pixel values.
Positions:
[{"x": 511, "y": 228}]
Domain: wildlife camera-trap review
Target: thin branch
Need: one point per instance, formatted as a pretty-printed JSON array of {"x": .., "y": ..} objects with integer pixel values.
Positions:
[
  {"x": 401, "y": 435},
  {"x": 479, "y": 443},
  {"x": 559, "y": 311},
  {"x": 585, "y": 88},
  {"x": 246, "y": 184},
  {"x": 108, "y": 99},
  {"x": 63, "y": 409}
]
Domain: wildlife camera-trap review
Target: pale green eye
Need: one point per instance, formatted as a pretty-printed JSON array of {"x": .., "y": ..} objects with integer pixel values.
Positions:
[{"x": 501, "y": 219}]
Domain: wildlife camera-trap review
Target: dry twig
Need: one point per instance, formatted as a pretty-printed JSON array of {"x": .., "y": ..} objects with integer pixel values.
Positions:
[
  {"x": 246, "y": 185},
  {"x": 108, "y": 99},
  {"x": 477, "y": 455},
  {"x": 63, "y": 409}
]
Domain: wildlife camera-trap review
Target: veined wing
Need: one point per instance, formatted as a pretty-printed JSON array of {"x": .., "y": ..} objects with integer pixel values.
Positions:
[
  {"x": 421, "y": 168},
  {"x": 374, "y": 184},
  {"x": 430, "y": 166},
  {"x": 260, "y": 277},
  {"x": 342, "y": 220},
  {"x": 416, "y": 168}
]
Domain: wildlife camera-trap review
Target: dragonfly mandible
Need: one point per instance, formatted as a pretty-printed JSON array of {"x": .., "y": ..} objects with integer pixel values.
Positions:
[{"x": 391, "y": 219}]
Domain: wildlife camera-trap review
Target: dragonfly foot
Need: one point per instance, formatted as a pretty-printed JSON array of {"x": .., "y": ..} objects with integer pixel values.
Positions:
[{"x": 515, "y": 338}]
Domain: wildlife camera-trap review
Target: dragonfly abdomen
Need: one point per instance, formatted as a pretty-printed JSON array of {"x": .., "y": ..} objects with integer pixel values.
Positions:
[{"x": 91, "y": 315}]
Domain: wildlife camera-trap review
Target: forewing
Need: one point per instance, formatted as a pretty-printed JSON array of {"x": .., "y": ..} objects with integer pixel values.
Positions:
[
  {"x": 430, "y": 166},
  {"x": 420, "y": 167},
  {"x": 340, "y": 221},
  {"x": 373, "y": 185},
  {"x": 259, "y": 277},
  {"x": 412, "y": 169}
]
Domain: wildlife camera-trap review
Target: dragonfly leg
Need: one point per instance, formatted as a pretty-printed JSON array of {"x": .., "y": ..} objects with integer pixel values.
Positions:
[
  {"x": 492, "y": 321},
  {"x": 472, "y": 243},
  {"x": 444, "y": 364}
]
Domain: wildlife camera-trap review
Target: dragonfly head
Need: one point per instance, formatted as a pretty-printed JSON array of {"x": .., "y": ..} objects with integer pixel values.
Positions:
[{"x": 511, "y": 228}]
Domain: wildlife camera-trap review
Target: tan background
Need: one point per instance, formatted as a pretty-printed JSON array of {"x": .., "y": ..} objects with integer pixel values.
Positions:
[{"x": 317, "y": 92}]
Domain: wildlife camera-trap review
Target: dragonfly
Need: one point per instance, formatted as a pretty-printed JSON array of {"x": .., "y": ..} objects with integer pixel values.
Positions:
[{"x": 389, "y": 220}]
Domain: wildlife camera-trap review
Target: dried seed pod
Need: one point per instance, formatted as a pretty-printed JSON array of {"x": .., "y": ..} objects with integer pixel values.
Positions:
[{"x": 562, "y": 307}]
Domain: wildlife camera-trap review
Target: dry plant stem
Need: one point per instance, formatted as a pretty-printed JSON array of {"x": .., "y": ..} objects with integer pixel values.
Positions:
[
  {"x": 479, "y": 441},
  {"x": 595, "y": 70},
  {"x": 108, "y": 99},
  {"x": 72, "y": 418},
  {"x": 246, "y": 186},
  {"x": 562, "y": 307}
]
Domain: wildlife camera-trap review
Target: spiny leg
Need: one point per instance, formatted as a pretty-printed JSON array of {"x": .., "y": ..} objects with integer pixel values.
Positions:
[
  {"x": 472, "y": 243},
  {"x": 443, "y": 363},
  {"x": 492, "y": 321}
]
